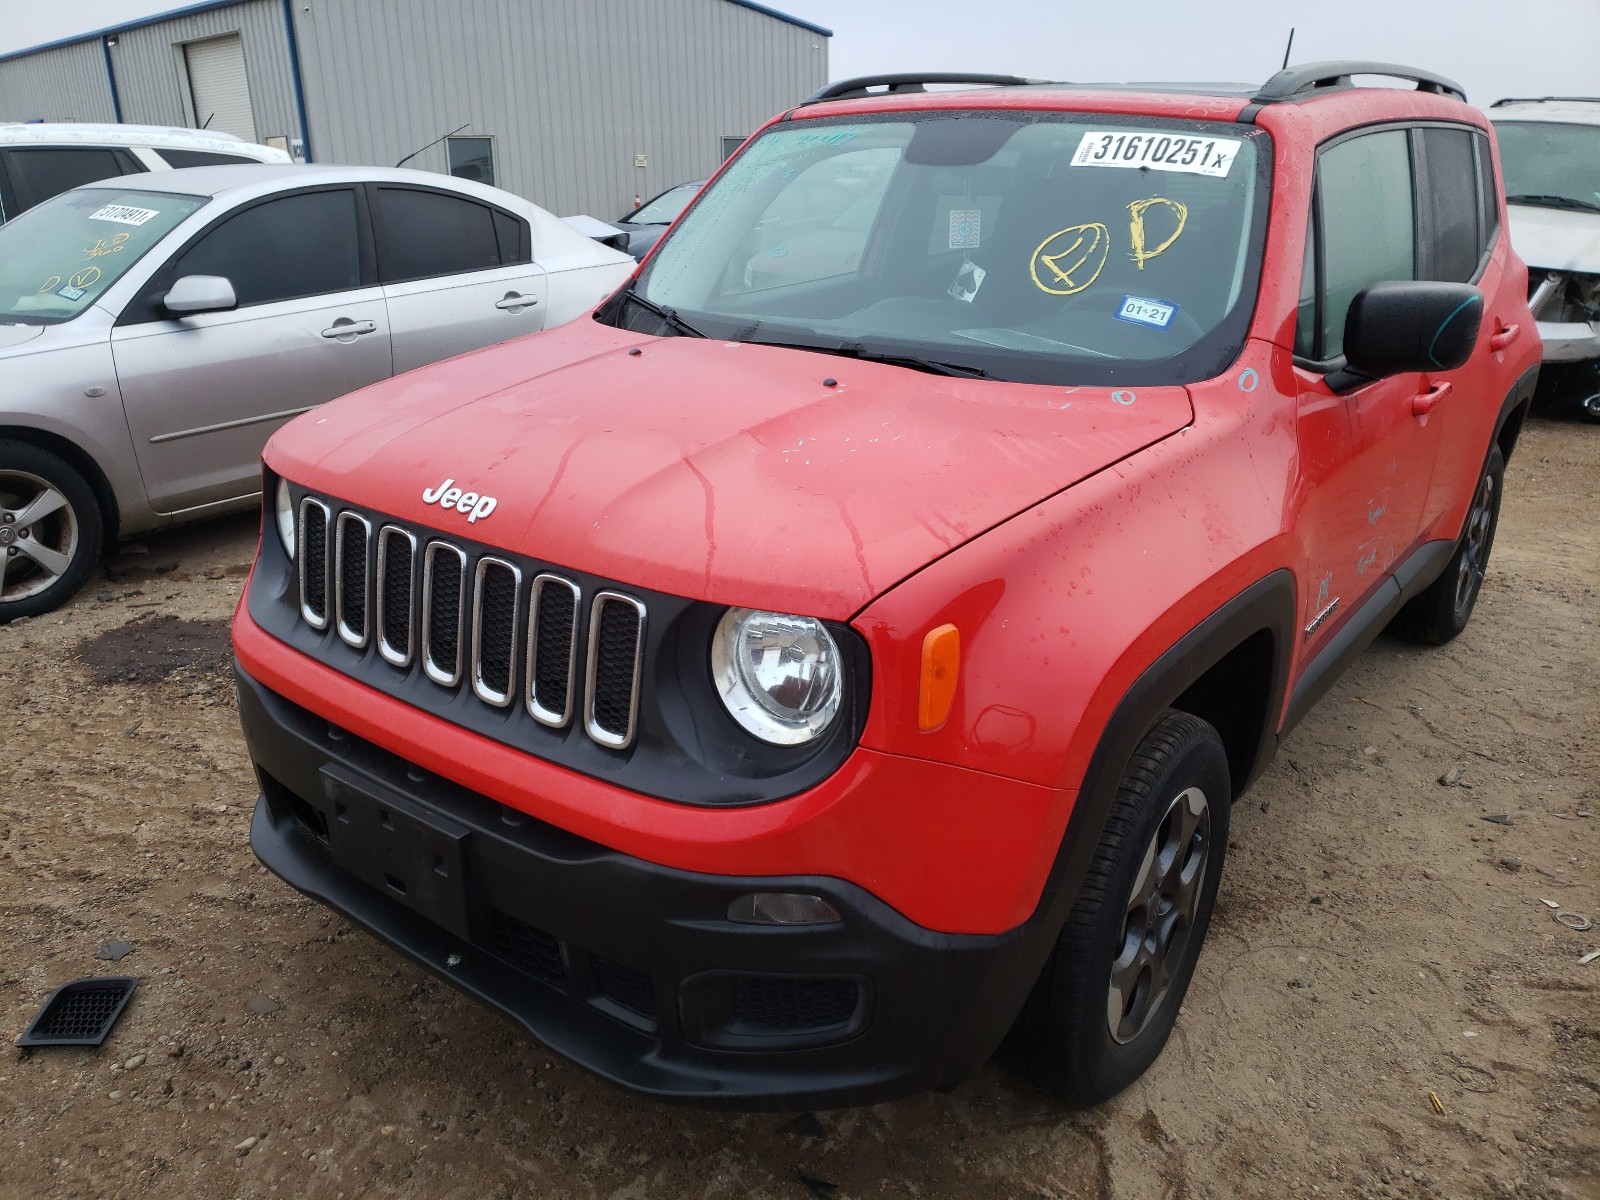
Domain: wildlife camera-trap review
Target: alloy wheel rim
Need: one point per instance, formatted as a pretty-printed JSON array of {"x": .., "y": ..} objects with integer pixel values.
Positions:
[
  {"x": 1475, "y": 550},
  {"x": 38, "y": 535},
  {"x": 1158, "y": 920}
]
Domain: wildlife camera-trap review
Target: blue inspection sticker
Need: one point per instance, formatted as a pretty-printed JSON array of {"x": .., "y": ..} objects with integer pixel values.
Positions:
[
  {"x": 72, "y": 293},
  {"x": 1138, "y": 310}
]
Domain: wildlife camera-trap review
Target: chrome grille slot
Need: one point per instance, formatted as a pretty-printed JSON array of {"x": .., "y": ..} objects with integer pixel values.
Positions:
[
  {"x": 552, "y": 649},
  {"x": 444, "y": 595},
  {"x": 352, "y": 546},
  {"x": 313, "y": 546},
  {"x": 495, "y": 591},
  {"x": 397, "y": 566},
  {"x": 611, "y": 683}
]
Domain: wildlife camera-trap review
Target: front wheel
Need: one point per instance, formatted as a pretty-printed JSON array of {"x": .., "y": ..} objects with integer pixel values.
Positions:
[
  {"x": 1108, "y": 997},
  {"x": 50, "y": 530},
  {"x": 1442, "y": 611}
]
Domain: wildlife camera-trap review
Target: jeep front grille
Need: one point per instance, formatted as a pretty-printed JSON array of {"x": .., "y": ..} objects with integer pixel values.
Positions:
[{"x": 505, "y": 634}]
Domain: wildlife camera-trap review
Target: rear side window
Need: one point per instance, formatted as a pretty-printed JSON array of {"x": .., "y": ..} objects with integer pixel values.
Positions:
[
  {"x": 422, "y": 235},
  {"x": 1450, "y": 204},
  {"x": 203, "y": 158},
  {"x": 37, "y": 173},
  {"x": 304, "y": 245},
  {"x": 1366, "y": 215},
  {"x": 1486, "y": 184}
]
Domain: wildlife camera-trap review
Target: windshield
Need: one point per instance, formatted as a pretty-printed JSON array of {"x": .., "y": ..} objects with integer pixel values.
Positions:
[
  {"x": 1547, "y": 164},
  {"x": 664, "y": 209},
  {"x": 57, "y": 259},
  {"x": 1038, "y": 247}
]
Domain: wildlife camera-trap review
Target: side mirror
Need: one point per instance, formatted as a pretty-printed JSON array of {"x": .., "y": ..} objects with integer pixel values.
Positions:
[
  {"x": 200, "y": 294},
  {"x": 1401, "y": 326}
]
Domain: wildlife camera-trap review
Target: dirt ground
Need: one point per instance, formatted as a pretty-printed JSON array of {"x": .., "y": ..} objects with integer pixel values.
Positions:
[{"x": 1382, "y": 938}]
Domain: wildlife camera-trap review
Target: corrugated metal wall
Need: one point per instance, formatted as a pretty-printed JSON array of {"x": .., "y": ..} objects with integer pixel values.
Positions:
[
  {"x": 570, "y": 90},
  {"x": 153, "y": 84},
  {"x": 66, "y": 83}
]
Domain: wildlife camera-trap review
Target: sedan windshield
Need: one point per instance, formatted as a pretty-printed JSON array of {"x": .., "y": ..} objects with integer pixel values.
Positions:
[
  {"x": 1550, "y": 165},
  {"x": 664, "y": 209},
  {"x": 57, "y": 259},
  {"x": 1038, "y": 247}
]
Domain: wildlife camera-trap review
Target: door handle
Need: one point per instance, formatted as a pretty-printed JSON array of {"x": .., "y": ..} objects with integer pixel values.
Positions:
[
  {"x": 514, "y": 302},
  {"x": 1504, "y": 336},
  {"x": 1423, "y": 403},
  {"x": 344, "y": 327}
]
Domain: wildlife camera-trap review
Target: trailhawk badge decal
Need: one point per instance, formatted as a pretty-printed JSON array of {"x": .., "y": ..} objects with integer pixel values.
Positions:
[{"x": 448, "y": 495}]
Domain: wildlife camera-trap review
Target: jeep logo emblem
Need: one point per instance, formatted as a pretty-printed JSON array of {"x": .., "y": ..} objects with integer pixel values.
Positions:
[{"x": 447, "y": 496}]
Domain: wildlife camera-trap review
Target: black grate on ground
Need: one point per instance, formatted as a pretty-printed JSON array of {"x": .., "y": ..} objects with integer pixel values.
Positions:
[{"x": 80, "y": 1013}]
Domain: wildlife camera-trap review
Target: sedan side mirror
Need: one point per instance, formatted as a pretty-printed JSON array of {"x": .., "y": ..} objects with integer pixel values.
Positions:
[
  {"x": 200, "y": 294},
  {"x": 1411, "y": 325}
]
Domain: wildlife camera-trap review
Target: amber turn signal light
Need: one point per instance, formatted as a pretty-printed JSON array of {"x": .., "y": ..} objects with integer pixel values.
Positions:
[{"x": 941, "y": 666}]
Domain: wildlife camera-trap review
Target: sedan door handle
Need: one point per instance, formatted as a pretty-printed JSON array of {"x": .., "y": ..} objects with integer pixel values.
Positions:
[
  {"x": 1504, "y": 337},
  {"x": 1423, "y": 403},
  {"x": 515, "y": 303},
  {"x": 344, "y": 327}
]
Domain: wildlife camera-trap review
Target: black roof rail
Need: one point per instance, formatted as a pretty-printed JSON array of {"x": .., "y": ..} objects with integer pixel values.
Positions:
[
  {"x": 1543, "y": 99},
  {"x": 914, "y": 81},
  {"x": 1308, "y": 79}
]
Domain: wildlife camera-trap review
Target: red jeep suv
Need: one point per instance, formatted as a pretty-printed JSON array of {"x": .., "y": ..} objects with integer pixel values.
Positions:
[{"x": 844, "y": 648}]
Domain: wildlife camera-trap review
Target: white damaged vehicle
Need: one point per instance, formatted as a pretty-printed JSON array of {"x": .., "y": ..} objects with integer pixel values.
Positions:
[{"x": 1550, "y": 156}]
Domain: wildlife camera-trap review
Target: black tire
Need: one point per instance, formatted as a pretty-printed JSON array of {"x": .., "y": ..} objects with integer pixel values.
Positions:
[
  {"x": 66, "y": 539},
  {"x": 1442, "y": 611},
  {"x": 1065, "y": 1031}
]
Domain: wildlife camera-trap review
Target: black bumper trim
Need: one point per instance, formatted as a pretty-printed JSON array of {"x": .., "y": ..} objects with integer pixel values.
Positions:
[{"x": 933, "y": 1005}]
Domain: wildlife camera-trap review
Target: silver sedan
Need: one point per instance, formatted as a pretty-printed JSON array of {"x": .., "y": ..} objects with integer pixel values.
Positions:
[{"x": 154, "y": 332}]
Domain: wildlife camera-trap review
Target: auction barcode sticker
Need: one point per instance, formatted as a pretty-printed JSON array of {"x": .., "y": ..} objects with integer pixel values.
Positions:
[
  {"x": 123, "y": 214},
  {"x": 1158, "y": 151}
]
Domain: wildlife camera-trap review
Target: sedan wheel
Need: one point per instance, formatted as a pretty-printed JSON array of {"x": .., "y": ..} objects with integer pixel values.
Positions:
[{"x": 50, "y": 530}]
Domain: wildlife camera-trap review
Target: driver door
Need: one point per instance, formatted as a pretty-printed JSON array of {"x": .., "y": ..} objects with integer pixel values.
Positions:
[{"x": 204, "y": 392}]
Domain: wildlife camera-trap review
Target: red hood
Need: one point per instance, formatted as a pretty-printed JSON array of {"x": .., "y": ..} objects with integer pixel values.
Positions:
[{"x": 715, "y": 470}]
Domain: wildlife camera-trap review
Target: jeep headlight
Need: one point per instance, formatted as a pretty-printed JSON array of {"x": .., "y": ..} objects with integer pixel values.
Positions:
[
  {"x": 284, "y": 504},
  {"x": 779, "y": 676}
]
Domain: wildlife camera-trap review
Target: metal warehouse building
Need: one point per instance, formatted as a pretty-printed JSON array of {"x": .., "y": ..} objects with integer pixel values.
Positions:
[{"x": 576, "y": 104}]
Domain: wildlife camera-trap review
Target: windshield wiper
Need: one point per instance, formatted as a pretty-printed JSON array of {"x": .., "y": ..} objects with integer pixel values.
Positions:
[
  {"x": 857, "y": 350},
  {"x": 1544, "y": 200},
  {"x": 666, "y": 314}
]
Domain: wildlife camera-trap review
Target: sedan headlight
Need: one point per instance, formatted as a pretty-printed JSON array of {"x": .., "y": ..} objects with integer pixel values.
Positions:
[
  {"x": 284, "y": 504},
  {"x": 780, "y": 676}
]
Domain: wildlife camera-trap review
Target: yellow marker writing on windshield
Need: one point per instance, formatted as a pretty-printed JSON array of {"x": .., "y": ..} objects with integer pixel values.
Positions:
[
  {"x": 1136, "y": 229},
  {"x": 1083, "y": 246}
]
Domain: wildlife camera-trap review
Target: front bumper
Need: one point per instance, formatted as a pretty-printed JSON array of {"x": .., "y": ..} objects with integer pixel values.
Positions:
[{"x": 630, "y": 968}]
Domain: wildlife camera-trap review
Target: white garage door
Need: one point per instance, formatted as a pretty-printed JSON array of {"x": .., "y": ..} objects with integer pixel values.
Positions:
[{"x": 217, "y": 83}]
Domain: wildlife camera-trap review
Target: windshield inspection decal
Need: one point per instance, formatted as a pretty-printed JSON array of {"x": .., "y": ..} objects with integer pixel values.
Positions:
[
  {"x": 1136, "y": 310},
  {"x": 1159, "y": 152},
  {"x": 448, "y": 496},
  {"x": 71, "y": 293},
  {"x": 123, "y": 214},
  {"x": 1076, "y": 248},
  {"x": 966, "y": 227}
]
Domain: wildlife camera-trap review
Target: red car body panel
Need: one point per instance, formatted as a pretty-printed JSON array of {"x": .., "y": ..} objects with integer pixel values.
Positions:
[{"x": 721, "y": 471}]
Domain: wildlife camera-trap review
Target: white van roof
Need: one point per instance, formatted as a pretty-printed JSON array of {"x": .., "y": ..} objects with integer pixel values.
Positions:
[{"x": 64, "y": 133}]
